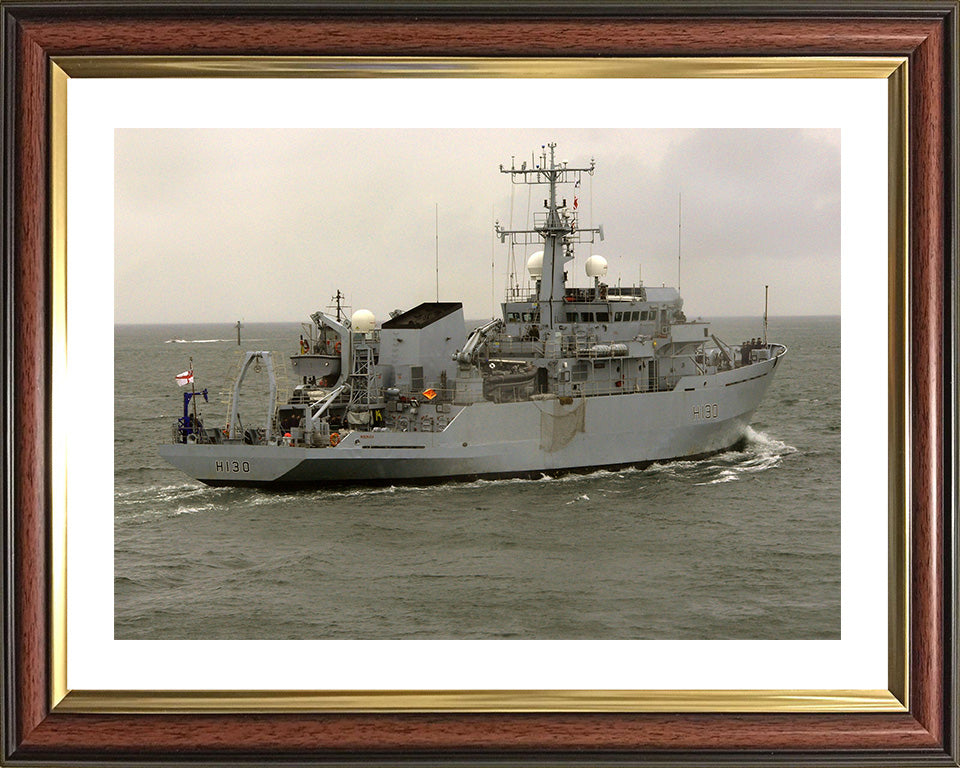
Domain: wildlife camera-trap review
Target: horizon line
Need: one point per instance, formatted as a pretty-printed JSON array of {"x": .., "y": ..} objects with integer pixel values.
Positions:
[{"x": 233, "y": 323}]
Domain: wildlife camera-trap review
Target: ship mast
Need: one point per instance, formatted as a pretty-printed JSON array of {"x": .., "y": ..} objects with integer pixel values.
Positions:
[
  {"x": 341, "y": 315},
  {"x": 556, "y": 228}
]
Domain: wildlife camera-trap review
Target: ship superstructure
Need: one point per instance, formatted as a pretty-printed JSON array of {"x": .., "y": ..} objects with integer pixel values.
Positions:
[{"x": 569, "y": 378}]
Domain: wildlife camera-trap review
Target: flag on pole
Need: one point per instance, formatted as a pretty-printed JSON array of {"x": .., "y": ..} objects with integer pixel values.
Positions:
[
  {"x": 185, "y": 378},
  {"x": 576, "y": 201}
]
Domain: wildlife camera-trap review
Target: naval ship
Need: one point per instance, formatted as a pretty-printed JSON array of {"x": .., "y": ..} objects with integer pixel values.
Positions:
[{"x": 568, "y": 379}]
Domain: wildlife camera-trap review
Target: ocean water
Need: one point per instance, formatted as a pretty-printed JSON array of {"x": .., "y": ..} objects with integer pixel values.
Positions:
[{"x": 745, "y": 544}]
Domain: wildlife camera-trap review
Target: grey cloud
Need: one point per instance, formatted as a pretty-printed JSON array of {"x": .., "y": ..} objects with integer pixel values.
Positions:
[{"x": 212, "y": 225}]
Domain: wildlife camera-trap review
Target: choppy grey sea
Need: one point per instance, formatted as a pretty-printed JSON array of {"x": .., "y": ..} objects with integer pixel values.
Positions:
[{"x": 741, "y": 545}]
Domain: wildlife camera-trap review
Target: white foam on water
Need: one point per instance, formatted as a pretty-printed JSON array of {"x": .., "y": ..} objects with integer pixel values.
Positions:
[
  {"x": 762, "y": 452},
  {"x": 163, "y": 491},
  {"x": 182, "y": 510}
]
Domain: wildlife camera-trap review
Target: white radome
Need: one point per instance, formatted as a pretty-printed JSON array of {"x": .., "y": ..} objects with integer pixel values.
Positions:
[
  {"x": 535, "y": 264},
  {"x": 363, "y": 321},
  {"x": 596, "y": 266}
]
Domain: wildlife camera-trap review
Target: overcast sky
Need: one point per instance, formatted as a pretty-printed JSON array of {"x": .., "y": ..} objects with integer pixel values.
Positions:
[{"x": 265, "y": 225}]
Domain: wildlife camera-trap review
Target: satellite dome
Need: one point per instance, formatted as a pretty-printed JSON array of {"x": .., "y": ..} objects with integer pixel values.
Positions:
[
  {"x": 363, "y": 321},
  {"x": 596, "y": 266},
  {"x": 535, "y": 264}
]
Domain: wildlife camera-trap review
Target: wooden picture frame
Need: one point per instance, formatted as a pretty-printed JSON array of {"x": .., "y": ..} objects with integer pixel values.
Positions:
[{"x": 36, "y": 34}]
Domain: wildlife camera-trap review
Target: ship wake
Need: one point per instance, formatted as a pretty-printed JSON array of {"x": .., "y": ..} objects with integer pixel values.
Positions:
[{"x": 754, "y": 453}]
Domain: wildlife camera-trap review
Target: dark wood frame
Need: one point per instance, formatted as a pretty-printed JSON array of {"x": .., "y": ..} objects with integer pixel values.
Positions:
[{"x": 925, "y": 32}]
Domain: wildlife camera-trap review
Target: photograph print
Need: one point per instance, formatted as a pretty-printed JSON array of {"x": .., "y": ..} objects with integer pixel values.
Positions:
[{"x": 477, "y": 384}]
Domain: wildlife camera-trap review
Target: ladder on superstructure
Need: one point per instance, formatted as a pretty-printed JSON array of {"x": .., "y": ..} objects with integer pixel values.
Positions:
[{"x": 363, "y": 380}]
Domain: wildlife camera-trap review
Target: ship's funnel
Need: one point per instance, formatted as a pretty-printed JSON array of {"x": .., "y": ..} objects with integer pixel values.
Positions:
[
  {"x": 535, "y": 264},
  {"x": 363, "y": 321},
  {"x": 596, "y": 266}
]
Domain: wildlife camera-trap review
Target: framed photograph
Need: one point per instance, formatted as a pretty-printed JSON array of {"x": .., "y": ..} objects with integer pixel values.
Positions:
[{"x": 242, "y": 162}]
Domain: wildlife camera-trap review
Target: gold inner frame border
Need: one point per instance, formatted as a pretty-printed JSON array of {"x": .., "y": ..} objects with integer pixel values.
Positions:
[{"x": 895, "y": 699}]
